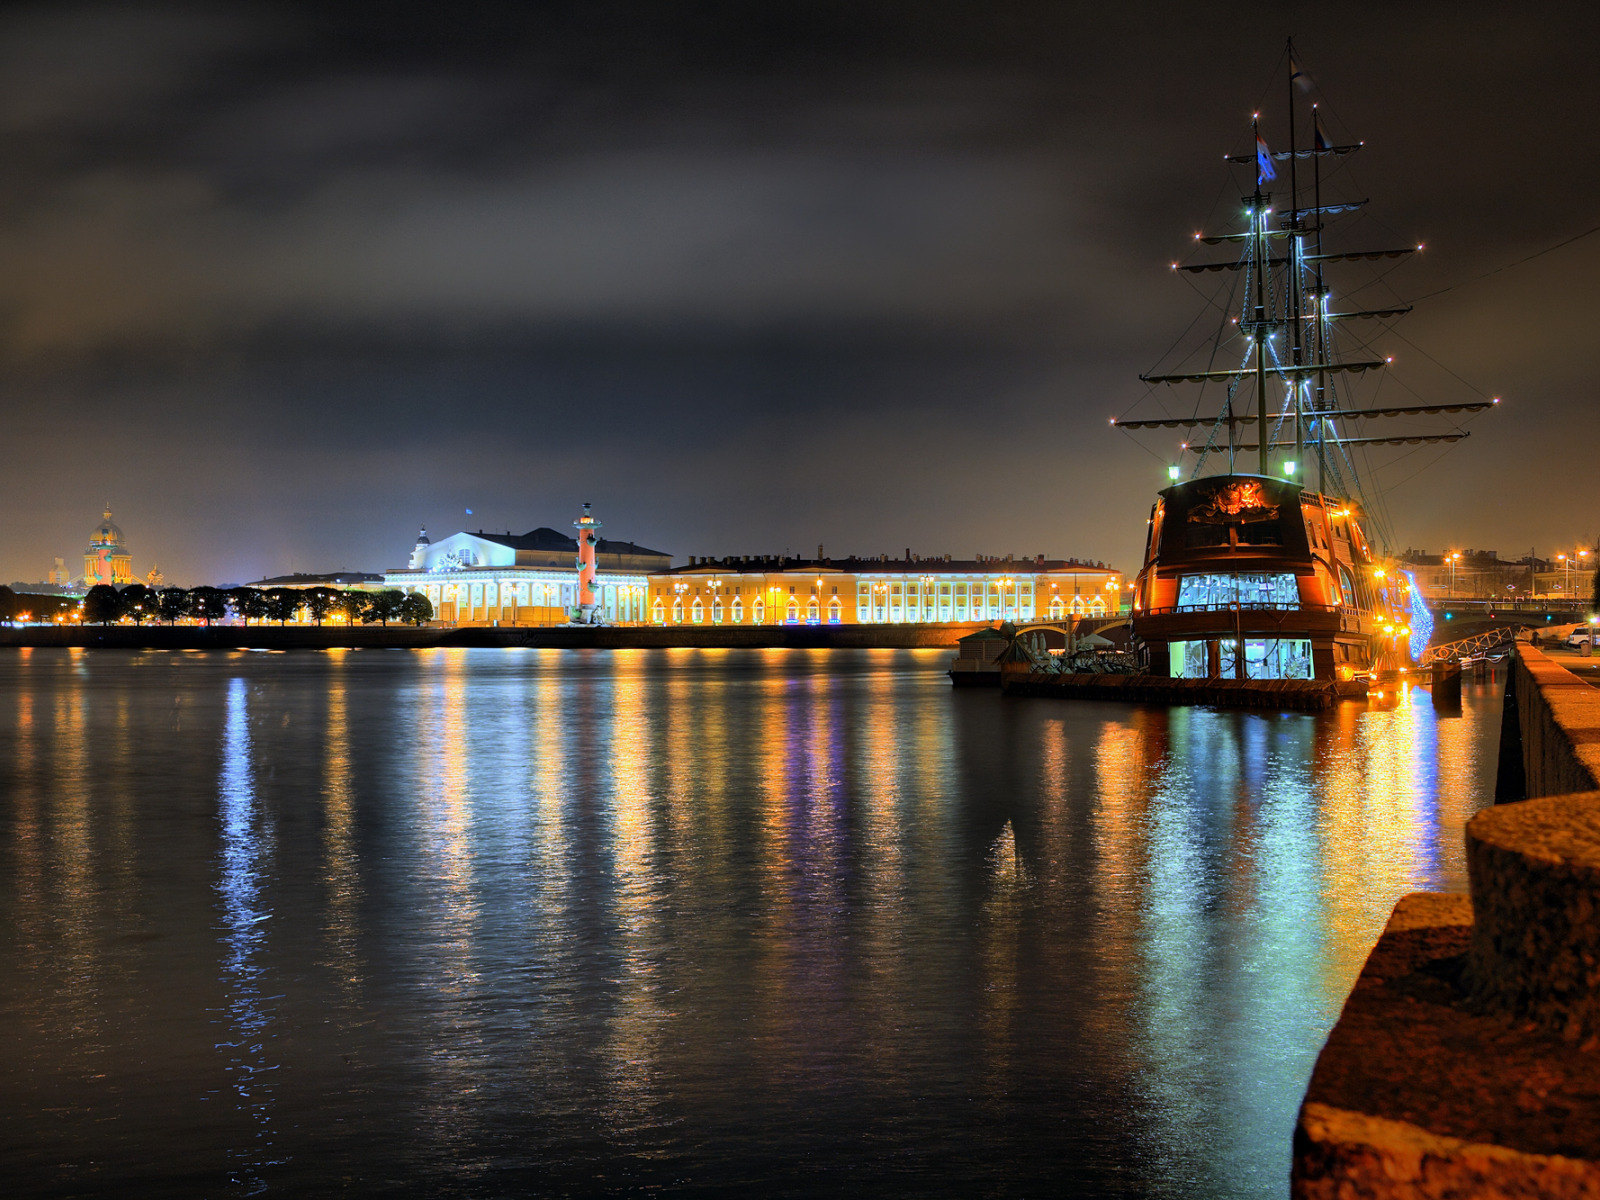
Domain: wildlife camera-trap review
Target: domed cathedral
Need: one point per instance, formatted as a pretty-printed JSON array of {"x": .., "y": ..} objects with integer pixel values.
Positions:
[{"x": 107, "y": 560}]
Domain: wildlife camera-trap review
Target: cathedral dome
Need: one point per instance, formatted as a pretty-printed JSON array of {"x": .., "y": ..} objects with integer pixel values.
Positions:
[{"x": 106, "y": 533}]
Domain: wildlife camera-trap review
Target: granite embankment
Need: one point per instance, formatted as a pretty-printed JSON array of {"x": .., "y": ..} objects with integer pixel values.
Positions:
[
  {"x": 1467, "y": 1059},
  {"x": 401, "y": 637}
]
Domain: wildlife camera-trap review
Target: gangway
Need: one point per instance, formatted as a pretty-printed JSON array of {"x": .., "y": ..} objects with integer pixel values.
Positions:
[{"x": 1472, "y": 647}]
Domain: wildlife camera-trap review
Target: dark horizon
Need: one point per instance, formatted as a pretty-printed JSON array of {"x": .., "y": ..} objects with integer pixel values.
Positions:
[{"x": 285, "y": 284}]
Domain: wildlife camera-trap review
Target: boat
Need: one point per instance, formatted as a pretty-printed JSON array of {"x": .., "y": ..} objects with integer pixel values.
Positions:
[{"x": 1251, "y": 569}]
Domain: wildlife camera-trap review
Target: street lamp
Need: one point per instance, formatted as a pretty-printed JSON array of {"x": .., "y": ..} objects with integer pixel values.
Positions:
[{"x": 1453, "y": 558}]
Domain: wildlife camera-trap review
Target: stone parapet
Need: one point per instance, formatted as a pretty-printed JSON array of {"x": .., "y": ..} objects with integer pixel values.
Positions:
[
  {"x": 1535, "y": 873},
  {"x": 1559, "y": 715},
  {"x": 1466, "y": 1061},
  {"x": 1425, "y": 1094}
]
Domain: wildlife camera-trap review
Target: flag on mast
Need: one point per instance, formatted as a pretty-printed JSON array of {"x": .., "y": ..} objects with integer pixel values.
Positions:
[
  {"x": 1320, "y": 135},
  {"x": 1297, "y": 75},
  {"x": 1264, "y": 168}
]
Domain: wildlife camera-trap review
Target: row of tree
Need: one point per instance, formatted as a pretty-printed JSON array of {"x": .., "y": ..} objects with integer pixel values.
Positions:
[{"x": 106, "y": 605}]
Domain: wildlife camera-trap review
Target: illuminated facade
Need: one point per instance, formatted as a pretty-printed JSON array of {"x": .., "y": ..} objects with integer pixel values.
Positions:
[
  {"x": 883, "y": 591},
  {"x": 532, "y": 578},
  {"x": 107, "y": 559}
]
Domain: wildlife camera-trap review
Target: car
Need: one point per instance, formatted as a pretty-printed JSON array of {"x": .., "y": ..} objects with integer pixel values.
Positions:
[{"x": 1584, "y": 635}]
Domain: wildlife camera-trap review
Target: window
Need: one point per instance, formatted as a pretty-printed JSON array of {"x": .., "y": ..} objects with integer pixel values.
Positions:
[
  {"x": 698, "y": 612},
  {"x": 792, "y": 612},
  {"x": 1349, "y": 586},
  {"x": 738, "y": 610},
  {"x": 835, "y": 611},
  {"x": 1097, "y": 607},
  {"x": 1057, "y": 609},
  {"x": 716, "y": 611},
  {"x": 1210, "y": 591},
  {"x": 658, "y": 612},
  {"x": 677, "y": 611},
  {"x": 758, "y": 612},
  {"x": 811, "y": 610}
]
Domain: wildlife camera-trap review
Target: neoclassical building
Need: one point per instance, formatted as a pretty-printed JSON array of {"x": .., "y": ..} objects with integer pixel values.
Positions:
[
  {"x": 530, "y": 578},
  {"x": 107, "y": 560},
  {"x": 910, "y": 590}
]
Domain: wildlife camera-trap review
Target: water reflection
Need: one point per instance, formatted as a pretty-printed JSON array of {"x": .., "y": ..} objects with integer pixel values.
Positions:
[
  {"x": 245, "y": 860},
  {"x": 590, "y": 923}
]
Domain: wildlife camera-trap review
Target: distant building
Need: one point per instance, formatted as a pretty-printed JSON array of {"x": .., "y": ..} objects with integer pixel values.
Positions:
[
  {"x": 529, "y": 578},
  {"x": 344, "y": 581},
  {"x": 59, "y": 575},
  {"x": 1473, "y": 574},
  {"x": 107, "y": 559},
  {"x": 882, "y": 591}
]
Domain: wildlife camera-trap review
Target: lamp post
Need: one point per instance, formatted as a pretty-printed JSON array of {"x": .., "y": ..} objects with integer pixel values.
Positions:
[{"x": 1452, "y": 561}]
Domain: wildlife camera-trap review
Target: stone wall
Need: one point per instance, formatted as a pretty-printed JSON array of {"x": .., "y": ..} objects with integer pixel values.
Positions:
[
  {"x": 1559, "y": 718},
  {"x": 1466, "y": 1061}
]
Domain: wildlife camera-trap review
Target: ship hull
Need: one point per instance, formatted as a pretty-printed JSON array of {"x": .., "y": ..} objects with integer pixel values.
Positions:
[{"x": 1252, "y": 562}]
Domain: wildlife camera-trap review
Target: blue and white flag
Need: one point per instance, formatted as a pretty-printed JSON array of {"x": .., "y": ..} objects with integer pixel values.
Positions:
[
  {"x": 1264, "y": 168},
  {"x": 1297, "y": 75}
]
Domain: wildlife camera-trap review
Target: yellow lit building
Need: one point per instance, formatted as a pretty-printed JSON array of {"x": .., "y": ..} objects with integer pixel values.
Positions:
[
  {"x": 526, "y": 579},
  {"x": 910, "y": 590},
  {"x": 107, "y": 560}
]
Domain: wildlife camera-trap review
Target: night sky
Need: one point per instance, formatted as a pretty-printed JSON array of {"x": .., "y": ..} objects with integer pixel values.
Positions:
[{"x": 282, "y": 284}]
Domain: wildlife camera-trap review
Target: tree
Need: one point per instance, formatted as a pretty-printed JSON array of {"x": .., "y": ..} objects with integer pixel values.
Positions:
[
  {"x": 321, "y": 601},
  {"x": 209, "y": 604},
  {"x": 415, "y": 609},
  {"x": 282, "y": 604},
  {"x": 102, "y": 605},
  {"x": 382, "y": 606},
  {"x": 173, "y": 603},
  {"x": 138, "y": 603},
  {"x": 353, "y": 605},
  {"x": 249, "y": 603}
]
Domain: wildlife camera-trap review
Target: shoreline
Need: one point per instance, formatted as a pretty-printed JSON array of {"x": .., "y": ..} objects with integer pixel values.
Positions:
[{"x": 397, "y": 637}]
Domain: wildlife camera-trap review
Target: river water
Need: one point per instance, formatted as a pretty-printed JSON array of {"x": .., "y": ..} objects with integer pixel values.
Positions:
[{"x": 506, "y": 922}]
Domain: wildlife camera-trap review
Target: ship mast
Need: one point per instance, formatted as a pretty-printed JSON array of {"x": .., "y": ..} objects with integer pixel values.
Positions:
[{"x": 1310, "y": 396}]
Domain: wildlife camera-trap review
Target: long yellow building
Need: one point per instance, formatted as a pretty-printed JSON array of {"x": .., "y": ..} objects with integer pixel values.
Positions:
[{"x": 854, "y": 591}]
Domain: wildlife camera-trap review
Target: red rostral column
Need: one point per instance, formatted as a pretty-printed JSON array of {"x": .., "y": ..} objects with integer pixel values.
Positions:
[{"x": 588, "y": 539}]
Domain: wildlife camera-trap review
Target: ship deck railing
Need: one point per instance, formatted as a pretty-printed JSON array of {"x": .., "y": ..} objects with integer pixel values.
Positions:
[{"x": 1244, "y": 606}]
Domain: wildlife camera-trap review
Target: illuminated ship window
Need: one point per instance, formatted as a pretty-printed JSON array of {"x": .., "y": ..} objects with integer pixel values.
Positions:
[
  {"x": 1272, "y": 658},
  {"x": 1349, "y": 586},
  {"x": 1222, "y": 590}
]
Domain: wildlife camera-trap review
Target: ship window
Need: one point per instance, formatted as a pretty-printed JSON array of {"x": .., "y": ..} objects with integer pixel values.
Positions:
[
  {"x": 1260, "y": 533},
  {"x": 1349, "y": 586},
  {"x": 1277, "y": 590},
  {"x": 1199, "y": 536}
]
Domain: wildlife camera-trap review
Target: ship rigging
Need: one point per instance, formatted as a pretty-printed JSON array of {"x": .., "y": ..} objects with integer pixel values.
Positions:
[{"x": 1255, "y": 574}]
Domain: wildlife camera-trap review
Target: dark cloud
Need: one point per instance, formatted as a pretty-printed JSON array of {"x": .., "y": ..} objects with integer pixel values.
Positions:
[{"x": 282, "y": 281}]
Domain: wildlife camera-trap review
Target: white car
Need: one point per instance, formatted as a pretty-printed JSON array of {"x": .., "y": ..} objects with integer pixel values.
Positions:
[{"x": 1583, "y": 636}]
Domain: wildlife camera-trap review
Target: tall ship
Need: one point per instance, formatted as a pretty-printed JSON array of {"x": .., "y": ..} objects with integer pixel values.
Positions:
[{"x": 1260, "y": 560}]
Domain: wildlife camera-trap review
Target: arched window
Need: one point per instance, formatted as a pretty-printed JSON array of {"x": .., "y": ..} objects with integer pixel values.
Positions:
[
  {"x": 835, "y": 611},
  {"x": 716, "y": 611},
  {"x": 1057, "y": 609},
  {"x": 792, "y": 612},
  {"x": 698, "y": 611},
  {"x": 758, "y": 612},
  {"x": 1078, "y": 607},
  {"x": 658, "y": 612},
  {"x": 1098, "y": 607},
  {"x": 738, "y": 611},
  {"x": 812, "y": 612},
  {"x": 677, "y": 611}
]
